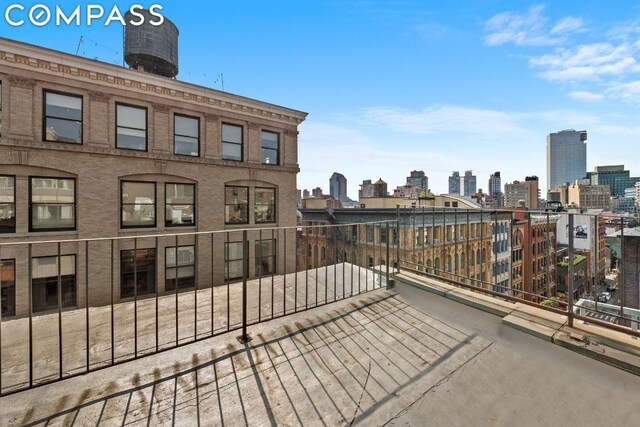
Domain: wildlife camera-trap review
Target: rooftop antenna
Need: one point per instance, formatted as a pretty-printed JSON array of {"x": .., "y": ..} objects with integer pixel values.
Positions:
[{"x": 79, "y": 44}]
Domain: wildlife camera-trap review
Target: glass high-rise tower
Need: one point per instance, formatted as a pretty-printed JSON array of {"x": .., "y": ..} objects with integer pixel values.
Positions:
[{"x": 566, "y": 157}]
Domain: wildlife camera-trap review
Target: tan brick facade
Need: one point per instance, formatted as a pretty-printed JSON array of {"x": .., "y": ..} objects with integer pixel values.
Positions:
[{"x": 98, "y": 167}]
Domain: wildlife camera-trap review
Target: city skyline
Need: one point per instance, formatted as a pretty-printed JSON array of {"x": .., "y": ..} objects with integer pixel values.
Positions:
[{"x": 409, "y": 86}]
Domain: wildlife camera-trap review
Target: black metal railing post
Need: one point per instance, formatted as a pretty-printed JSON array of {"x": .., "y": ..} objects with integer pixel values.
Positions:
[
  {"x": 398, "y": 238},
  {"x": 389, "y": 284},
  {"x": 570, "y": 270},
  {"x": 245, "y": 272}
]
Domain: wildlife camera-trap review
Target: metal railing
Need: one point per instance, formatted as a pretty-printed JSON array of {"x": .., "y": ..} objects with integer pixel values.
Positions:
[
  {"x": 475, "y": 231},
  {"x": 86, "y": 304}
]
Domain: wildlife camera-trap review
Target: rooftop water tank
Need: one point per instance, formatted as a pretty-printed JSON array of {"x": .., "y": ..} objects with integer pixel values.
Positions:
[{"x": 151, "y": 48}]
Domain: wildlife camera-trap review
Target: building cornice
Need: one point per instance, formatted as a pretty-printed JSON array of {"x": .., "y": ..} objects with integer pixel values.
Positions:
[{"x": 35, "y": 58}]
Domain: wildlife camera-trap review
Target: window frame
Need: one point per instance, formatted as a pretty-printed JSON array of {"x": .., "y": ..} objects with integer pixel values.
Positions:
[
  {"x": 262, "y": 148},
  {"x": 135, "y": 293},
  {"x": 273, "y": 256},
  {"x": 59, "y": 274},
  {"x": 176, "y": 267},
  {"x": 146, "y": 126},
  {"x": 155, "y": 205},
  {"x": 227, "y": 260},
  {"x": 15, "y": 213},
  {"x": 185, "y": 116},
  {"x": 275, "y": 204},
  {"x": 75, "y": 205},
  {"x": 4, "y": 315},
  {"x": 44, "y": 116},
  {"x": 247, "y": 188},
  {"x": 166, "y": 204},
  {"x": 222, "y": 141}
]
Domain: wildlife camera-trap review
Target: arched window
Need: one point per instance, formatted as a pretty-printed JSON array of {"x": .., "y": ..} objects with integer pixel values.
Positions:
[
  {"x": 428, "y": 269},
  {"x": 436, "y": 266},
  {"x": 478, "y": 256},
  {"x": 447, "y": 266},
  {"x": 462, "y": 261}
]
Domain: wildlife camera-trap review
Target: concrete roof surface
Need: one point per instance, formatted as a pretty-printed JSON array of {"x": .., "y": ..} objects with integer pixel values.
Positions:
[{"x": 402, "y": 357}]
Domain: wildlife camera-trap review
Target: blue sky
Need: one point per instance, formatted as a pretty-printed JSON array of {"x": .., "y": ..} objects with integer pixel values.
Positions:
[{"x": 393, "y": 86}]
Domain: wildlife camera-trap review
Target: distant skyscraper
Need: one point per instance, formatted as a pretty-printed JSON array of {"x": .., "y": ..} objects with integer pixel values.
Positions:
[
  {"x": 316, "y": 192},
  {"x": 615, "y": 177},
  {"x": 470, "y": 185},
  {"x": 464, "y": 185},
  {"x": 526, "y": 191},
  {"x": 454, "y": 183},
  {"x": 495, "y": 185},
  {"x": 338, "y": 187},
  {"x": 566, "y": 157},
  {"x": 419, "y": 180}
]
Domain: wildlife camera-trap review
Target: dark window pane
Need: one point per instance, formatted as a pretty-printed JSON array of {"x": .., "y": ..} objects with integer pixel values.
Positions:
[
  {"x": 180, "y": 207},
  {"x": 269, "y": 140},
  {"x": 265, "y": 205},
  {"x": 236, "y": 205},
  {"x": 185, "y": 271},
  {"x": 8, "y": 287},
  {"x": 269, "y": 157},
  {"x": 132, "y": 117},
  {"x": 234, "y": 260},
  {"x": 132, "y": 139},
  {"x": 265, "y": 257},
  {"x": 63, "y": 130},
  {"x": 131, "y": 129},
  {"x": 231, "y": 151},
  {"x": 45, "y": 282},
  {"x": 186, "y": 126},
  {"x": 52, "y": 190},
  {"x": 232, "y": 133},
  {"x": 138, "y": 204},
  {"x": 186, "y": 146},
  {"x": 137, "y": 272},
  {"x": 63, "y": 106},
  {"x": 52, "y": 216}
]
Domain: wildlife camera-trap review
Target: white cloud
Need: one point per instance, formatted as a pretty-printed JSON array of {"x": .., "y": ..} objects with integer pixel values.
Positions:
[
  {"x": 530, "y": 29},
  {"x": 569, "y": 24},
  {"x": 585, "y": 96},
  {"x": 587, "y": 62},
  {"x": 454, "y": 119}
]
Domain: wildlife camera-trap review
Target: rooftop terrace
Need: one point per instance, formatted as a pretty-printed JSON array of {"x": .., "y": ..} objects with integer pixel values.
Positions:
[{"x": 390, "y": 357}]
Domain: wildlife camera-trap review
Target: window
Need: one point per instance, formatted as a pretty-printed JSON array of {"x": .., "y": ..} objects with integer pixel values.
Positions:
[
  {"x": 62, "y": 118},
  {"x": 0, "y": 108},
  {"x": 7, "y": 204},
  {"x": 232, "y": 142},
  {"x": 138, "y": 207},
  {"x": 382, "y": 230},
  {"x": 45, "y": 273},
  {"x": 131, "y": 127},
  {"x": 180, "y": 205},
  {"x": 236, "y": 200},
  {"x": 8, "y": 287},
  {"x": 180, "y": 265},
  {"x": 186, "y": 135},
  {"x": 137, "y": 272},
  {"x": 52, "y": 204},
  {"x": 233, "y": 260},
  {"x": 270, "y": 142},
  {"x": 370, "y": 233},
  {"x": 265, "y": 257},
  {"x": 265, "y": 205}
]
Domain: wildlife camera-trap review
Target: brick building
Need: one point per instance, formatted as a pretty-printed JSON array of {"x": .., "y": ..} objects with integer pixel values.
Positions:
[{"x": 90, "y": 149}]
